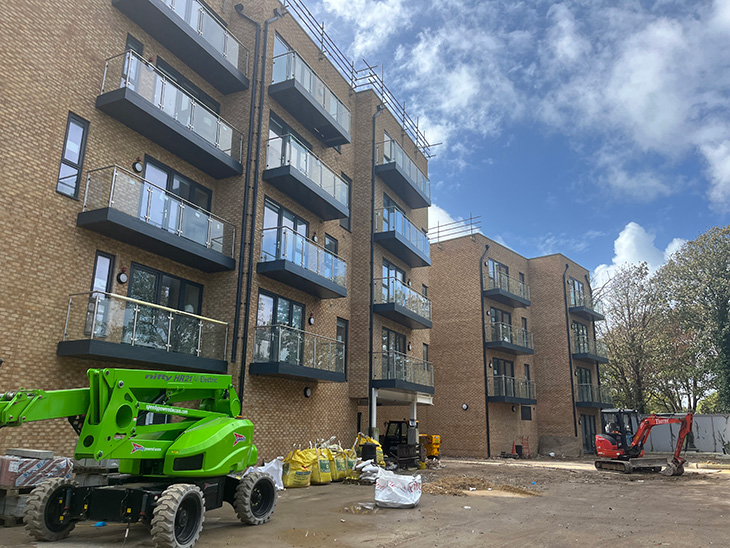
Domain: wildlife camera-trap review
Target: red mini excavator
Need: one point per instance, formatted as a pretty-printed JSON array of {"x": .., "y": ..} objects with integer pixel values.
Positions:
[{"x": 625, "y": 450}]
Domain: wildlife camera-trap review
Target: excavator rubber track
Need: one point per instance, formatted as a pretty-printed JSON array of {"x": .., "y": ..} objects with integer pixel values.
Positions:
[{"x": 633, "y": 465}]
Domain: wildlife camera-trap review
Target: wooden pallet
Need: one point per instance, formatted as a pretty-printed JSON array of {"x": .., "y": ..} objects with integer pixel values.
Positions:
[
  {"x": 11, "y": 521},
  {"x": 10, "y": 491}
]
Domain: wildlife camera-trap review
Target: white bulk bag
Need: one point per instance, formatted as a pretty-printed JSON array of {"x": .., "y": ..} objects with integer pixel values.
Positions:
[{"x": 395, "y": 491}]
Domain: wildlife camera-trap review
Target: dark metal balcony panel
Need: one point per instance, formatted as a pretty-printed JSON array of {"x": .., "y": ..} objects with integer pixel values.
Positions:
[
  {"x": 589, "y": 357},
  {"x": 128, "y": 229},
  {"x": 304, "y": 191},
  {"x": 402, "y": 248},
  {"x": 402, "y": 315},
  {"x": 505, "y": 297},
  {"x": 594, "y": 404},
  {"x": 402, "y": 386},
  {"x": 294, "y": 275},
  {"x": 402, "y": 185},
  {"x": 176, "y": 35},
  {"x": 508, "y": 347},
  {"x": 587, "y": 313},
  {"x": 93, "y": 349},
  {"x": 511, "y": 399},
  {"x": 284, "y": 369},
  {"x": 301, "y": 104},
  {"x": 146, "y": 119}
]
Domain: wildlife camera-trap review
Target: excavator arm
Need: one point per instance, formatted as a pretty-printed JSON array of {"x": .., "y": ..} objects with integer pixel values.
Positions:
[{"x": 675, "y": 467}]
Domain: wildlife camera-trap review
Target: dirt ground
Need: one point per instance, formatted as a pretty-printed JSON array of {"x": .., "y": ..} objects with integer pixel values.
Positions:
[{"x": 545, "y": 503}]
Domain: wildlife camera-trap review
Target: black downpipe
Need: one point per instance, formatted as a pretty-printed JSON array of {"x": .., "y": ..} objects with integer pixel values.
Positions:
[
  {"x": 254, "y": 208},
  {"x": 484, "y": 345},
  {"x": 246, "y": 181},
  {"x": 372, "y": 273},
  {"x": 570, "y": 350}
]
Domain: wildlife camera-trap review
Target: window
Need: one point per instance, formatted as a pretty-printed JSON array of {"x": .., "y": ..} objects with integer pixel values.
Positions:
[
  {"x": 497, "y": 270},
  {"x": 387, "y": 148},
  {"x": 342, "y": 328},
  {"x": 584, "y": 375},
  {"x": 581, "y": 337},
  {"x": 346, "y": 222},
  {"x": 524, "y": 324},
  {"x": 528, "y": 377},
  {"x": 390, "y": 276},
  {"x": 394, "y": 218},
  {"x": 153, "y": 286},
  {"x": 330, "y": 244},
  {"x": 101, "y": 280},
  {"x": 501, "y": 325},
  {"x": 526, "y": 412},
  {"x": 393, "y": 342},
  {"x": 504, "y": 381},
  {"x": 280, "y": 228},
  {"x": 72, "y": 161},
  {"x": 522, "y": 278},
  {"x": 424, "y": 290},
  {"x": 503, "y": 367},
  {"x": 103, "y": 267},
  {"x": 130, "y": 71},
  {"x": 203, "y": 98},
  {"x": 577, "y": 292},
  {"x": 425, "y": 352},
  {"x": 281, "y": 338}
]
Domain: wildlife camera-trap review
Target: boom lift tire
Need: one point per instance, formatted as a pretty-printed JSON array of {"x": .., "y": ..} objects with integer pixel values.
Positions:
[
  {"x": 44, "y": 513},
  {"x": 255, "y": 498},
  {"x": 178, "y": 517}
]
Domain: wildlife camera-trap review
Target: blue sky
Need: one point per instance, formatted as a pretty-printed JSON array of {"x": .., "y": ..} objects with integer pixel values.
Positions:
[{"x": 599, "y": 129}]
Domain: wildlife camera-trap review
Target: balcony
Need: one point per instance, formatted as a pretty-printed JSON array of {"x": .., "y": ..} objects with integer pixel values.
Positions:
[
  {"x": 591, "y": 395},
  {"x": 296, "y": 87},
  {"x": 196, "y": 36},
  {"x": 398, "y": 235},
  {"x": 395, "y": 300},
  {"x": 402, "y": 373},
  {"x": 301, "y": 263},
  {"x": 401, "y": 174},
  {"x": 501, "y": 388},
  {"x": 109, "y": 327},
  {"x": 506, "y": 290},
  {"x": 283, "y": 351},
  {"x": 512, "y": 340},
  {"x": 141, "y": 97},
  {"x": 126, "y": 207},
  {"x": 587, "y": 350},
  {"x": 297, "y": 172},
  {"x": 585, "y": 307}
]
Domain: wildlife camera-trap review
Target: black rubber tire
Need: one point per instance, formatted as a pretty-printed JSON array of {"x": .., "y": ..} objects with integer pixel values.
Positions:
[
  {"x": 178, "y": 517},
  {"x": 255, "y": 498},
  {"x": 42, "y": 511}
]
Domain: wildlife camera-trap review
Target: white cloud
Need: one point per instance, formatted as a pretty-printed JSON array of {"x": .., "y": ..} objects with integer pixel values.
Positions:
[
  {"x": 718, "y": 168},
  {"x": 444, "y": 226},
  {"x": 635, "y": 245}
]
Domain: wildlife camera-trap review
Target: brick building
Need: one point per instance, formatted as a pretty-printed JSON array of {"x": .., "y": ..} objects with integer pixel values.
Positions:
[
  {"x": 516, "y": 348},
  {"x": 199, "y": 187}
]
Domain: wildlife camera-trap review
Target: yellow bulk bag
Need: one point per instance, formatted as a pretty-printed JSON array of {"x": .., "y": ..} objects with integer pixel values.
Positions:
[
  {"x": 338, "y": 466},
  {"x": 297, "y": 469},
  {"x": 321, "y": 472}
]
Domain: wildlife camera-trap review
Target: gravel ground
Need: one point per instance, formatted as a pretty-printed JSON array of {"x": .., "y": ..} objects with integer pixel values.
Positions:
[{"x": 540, "y": 503}]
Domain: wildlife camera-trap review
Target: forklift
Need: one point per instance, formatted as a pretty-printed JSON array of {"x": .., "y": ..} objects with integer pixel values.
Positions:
[{"x": 406, "y": 446}]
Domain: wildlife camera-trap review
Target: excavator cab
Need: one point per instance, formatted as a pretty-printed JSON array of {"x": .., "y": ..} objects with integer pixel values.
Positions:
[{"x": 618, "y": 429}]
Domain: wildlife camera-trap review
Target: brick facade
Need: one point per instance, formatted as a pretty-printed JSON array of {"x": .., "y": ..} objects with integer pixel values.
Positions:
[
  {"x": 54, "y": 58},
  {"x": 463, "y": 364}
]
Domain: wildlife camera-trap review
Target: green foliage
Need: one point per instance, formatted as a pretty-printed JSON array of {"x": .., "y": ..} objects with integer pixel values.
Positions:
[{"x": 710, "y": 404}]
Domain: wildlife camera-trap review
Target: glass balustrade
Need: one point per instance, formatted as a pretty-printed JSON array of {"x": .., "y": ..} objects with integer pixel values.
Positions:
[
  {"x": 130, "y": 70},
  {"x": 511, "y": 387},
  {"x": 392, "y": 219},
  {"x": 290, "y": 66},
  {"x": 288, "y": 151},
  {"x": 593, "y": 393},
  {"x": 581, "y": 299},
  {"x": 505, "y": 332},
  {"x": 285, "y": 344},
  {"x": 123, "y": 320},
  {"x": 507, "y": 283},
  {"x": 389, "y": 151},
  {"x": 124, "y": 191},
  {"x": 283, "y": 243},
  {"x": 584, "y": 345},
  {"x": 393, "y": 290},
  {"x": 398, "y": 366},
  {"x": 207, "y": 25}
]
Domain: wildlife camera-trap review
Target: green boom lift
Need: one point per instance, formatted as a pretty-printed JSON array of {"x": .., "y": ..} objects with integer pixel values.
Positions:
[{"x": 170, "y": 472}]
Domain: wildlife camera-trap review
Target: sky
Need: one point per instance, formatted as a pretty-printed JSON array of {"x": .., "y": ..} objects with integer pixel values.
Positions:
[{"x": 598, "y": 129}]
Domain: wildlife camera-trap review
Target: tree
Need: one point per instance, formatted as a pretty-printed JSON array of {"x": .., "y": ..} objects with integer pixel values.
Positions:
[
  {"x": 696, "y": 285},
  {"x": 630, "y": 333}
]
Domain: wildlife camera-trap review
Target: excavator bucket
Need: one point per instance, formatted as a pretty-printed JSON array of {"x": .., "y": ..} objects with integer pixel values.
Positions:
[{"x": 673, "y": 469}]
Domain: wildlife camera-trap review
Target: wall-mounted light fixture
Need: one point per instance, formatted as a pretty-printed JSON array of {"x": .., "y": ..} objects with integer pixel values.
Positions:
[
  {"x": 122, "y": 276},
  {"x": 410, "y": 347},
  {"x": 490, "y": 365},
  {"x": 311, "y": 319},
  {"x": 464, "y": 406},
  {"x": 137, "y": 166},
  {"x": 307, "y": 392}
]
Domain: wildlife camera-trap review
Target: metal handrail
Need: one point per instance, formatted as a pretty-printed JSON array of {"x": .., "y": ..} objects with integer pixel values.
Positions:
[
  {"x": 217, "y": 19},
  {"x": 505, "y": 332},
  {"x": 577, "y": 299},
  {"x": 596, "y": 393},
  {"x": 311, "y": 154},
  {"x": 511, "y": 386},
  {"x": 336, "y": 358},
  {"x": 292, "y": 75},
  {"x": 150, "y": 305},
  {"x": 412, "y": 365},
  {"x": 589, "y": 346},
  {"x": 193, "y": 101},
  {"x": 309, "y": 241},
  {"x": 411, "y": 295},
  {"x": 424, "y": 183},
  {"x": 423, "y": 245},
  {"x": 513, "y": 285}
]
